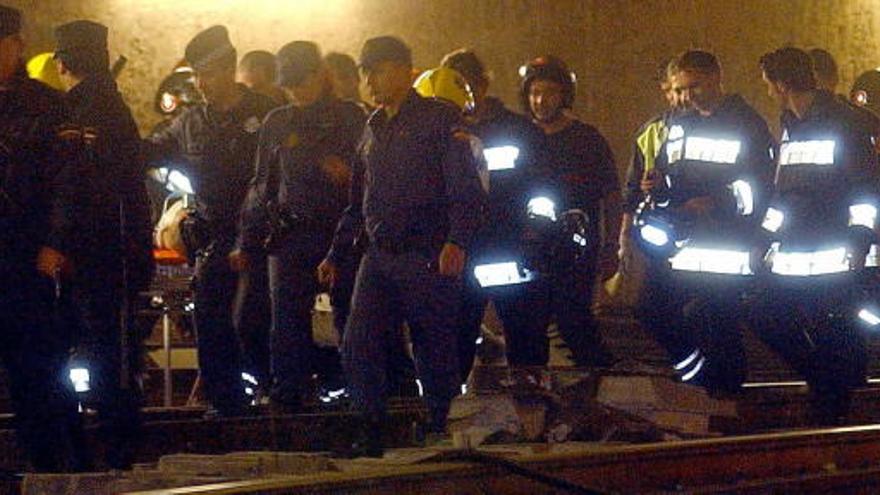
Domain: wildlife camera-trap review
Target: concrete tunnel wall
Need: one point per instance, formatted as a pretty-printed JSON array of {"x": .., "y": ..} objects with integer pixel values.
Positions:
[{"x": 613, "y": 45}]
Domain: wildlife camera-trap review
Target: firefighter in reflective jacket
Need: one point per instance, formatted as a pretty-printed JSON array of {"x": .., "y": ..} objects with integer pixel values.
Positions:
[
  {"x": 510, "y": 141},
  {"x": 698, "y": 225},
  {"x": 819, "y": 227}
]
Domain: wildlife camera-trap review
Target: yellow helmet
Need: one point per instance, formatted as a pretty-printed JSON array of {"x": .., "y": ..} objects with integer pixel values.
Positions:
[
  {"x": 445, "y": 84},
  {"x": 42, "y": 68}
]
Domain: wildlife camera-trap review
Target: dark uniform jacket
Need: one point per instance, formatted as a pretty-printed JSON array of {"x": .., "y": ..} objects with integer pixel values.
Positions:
[
  {"x": 500, "y": 127},
  {"x": 294, "y": 143},
  {"x": 216, "y": 151},
  {"x": 116, "y": 175},
  {"x": 40, "y": 160},
  {"x": 577, "y": 164},
  {"x": 814, "y": 193},
  {"x": 704, "y": 155},
  {"x": 415, "y": 182}
]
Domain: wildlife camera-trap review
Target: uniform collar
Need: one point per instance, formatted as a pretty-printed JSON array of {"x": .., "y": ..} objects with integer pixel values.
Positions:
[{"x": 380, "y": 117}]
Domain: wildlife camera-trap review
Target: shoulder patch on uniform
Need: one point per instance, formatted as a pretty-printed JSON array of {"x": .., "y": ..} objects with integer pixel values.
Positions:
[{"x": 292, "y": 140}]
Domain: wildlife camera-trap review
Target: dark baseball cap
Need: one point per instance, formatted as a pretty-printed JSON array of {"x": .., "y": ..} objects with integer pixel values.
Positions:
[
  {"x": 384, "y": 49},
  {"x": 209, "y": 46},
  {"x": 81, "y": 37},
  {"x": 296, "y": 61},
  {"x": 10, "y": 21}
]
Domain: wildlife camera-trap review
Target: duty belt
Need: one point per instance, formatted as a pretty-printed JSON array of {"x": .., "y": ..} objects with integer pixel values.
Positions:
[{"x": 422, "y": 244}]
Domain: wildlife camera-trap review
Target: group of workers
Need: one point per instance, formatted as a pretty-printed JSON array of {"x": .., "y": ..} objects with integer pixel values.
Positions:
[{"x": 416, "y": 213}]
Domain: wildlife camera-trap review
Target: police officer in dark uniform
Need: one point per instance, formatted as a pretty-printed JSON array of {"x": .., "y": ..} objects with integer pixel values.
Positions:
[
  {"x": 40, "y": 202},
  {"x": 416, "y": 192},
  {"x": 575, "y": 161},
  {"x": 510, "y": 141},
  {"x": 819, "y": 226},
  {"x": 215, "y": 144},
  {"x": 714, "y": 170},
  {"x": 119, "y": 264},
  {"x": 298, "y": 194}
]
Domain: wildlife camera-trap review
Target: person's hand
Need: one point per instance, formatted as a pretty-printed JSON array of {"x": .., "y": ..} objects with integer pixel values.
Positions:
[
  {"x": 238, "y": 261},
  {"x": 608, "y": 261},
  {"x": 650, "y": 181},
  {"x": 327, "y": 273},
  {"x": 51, "y": 262},
  {"x": 451, "y": 260}
]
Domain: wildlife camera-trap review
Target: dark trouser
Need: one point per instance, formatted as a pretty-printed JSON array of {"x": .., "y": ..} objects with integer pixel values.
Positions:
[
  {"x": 698, "y": 324},
  {"x": 33, "y": 349},
  {"x": 98, "y": 300},
  {"x": 253, "y": 317},
  {"x": 473, "y": 307},
  {"x": 219, "y": 349},
  {"x": 390, "y": 288},
  {"x": 812, "y": 328},
  {"x": 567, "y": 295},
  {"x": 293, "y": 286},
  {"x": 400, "y": 366}
]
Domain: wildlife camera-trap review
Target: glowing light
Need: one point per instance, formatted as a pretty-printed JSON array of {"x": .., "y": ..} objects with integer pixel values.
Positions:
[
  {"x": 654, "y": 235},
  {"x": 177, "y": 182},
  {"x": 419, "y": 386},
  {"x": 501, "y": 157},
  {"x": 497, "y": 274},
  {"x": 773, "y": 220},
  {"x": 712, "y": 261},
  {"x": 818, "y": 152},
  {"x": 542, "y": 206},
  {"x": 863, "y": 214},
  {"x": 80, "y": 379}
]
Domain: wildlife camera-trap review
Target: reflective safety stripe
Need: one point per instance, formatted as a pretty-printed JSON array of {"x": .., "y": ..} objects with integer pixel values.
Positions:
[
  {"x": 745, "y": 200},
  {"x": 501, "y": 157},
  {"x": 869, "y": 317},
  {"x": 687, "y": 361},
  {"x": 863, "y": 214},
  {"x": 711, "y": 150},
  {"x": 803, "y": 264},
  {"x": 690, "y": 375},
  {"x": 542, "y": 206},
  {"x": 819, "y": 152},
  {"x": 706, "y": 260},
  {"x": 872, "y": 259},
  {"x": 654, "y": 235},
  {"x": 773, "y": 220},
  {"x": 497, "y": 274},
  {"x": 673, "y": 150}
]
